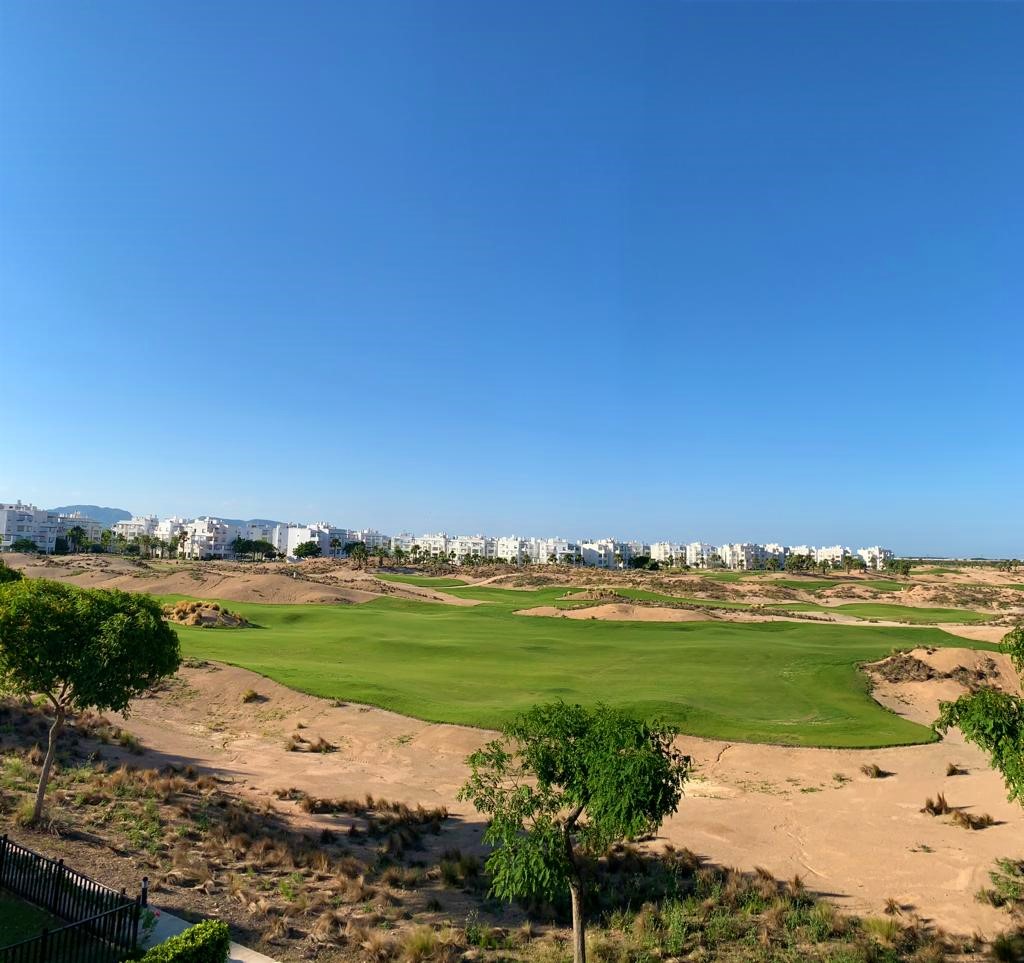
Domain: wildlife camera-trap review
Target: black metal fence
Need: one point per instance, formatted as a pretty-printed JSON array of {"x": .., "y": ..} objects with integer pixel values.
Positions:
[{"x": 102, "y": 923}]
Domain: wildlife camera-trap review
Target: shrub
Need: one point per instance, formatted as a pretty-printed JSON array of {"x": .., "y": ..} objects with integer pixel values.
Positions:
[
  {"x": 937, "y": 806},
  {"x": 250, "y": 695},
  {"x": 206, "y": 942}
]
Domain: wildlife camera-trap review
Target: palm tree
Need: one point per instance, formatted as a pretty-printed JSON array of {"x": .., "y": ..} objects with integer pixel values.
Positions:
[
  {"x": 335, "y": 544},
  {"x": 76, "y": 536}
]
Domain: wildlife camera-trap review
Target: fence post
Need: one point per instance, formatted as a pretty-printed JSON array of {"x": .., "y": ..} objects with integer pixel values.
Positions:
[
  {"x": 58, "y": 879},
  {"x": 136, "y": 914},
  {"x": 3, "y": 855},
  {"x": 43, "y": 944},
  {"x": 145, "y": 891}
]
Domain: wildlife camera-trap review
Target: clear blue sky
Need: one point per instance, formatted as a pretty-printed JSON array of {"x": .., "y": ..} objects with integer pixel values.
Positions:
[{"x": 647, "y": 269}]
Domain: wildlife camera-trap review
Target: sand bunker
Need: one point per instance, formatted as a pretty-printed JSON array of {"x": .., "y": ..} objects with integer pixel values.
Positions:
[
  {"x": 806, "y": 811},
  {"x": 620, "y": 612}
]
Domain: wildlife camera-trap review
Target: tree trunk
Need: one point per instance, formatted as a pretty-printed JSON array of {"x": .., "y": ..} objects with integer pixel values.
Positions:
[
  {"x": 579, "y": 933},
  {"x": 44, "y": 775}
]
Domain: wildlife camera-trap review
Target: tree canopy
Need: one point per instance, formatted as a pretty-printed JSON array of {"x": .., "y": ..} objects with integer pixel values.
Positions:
[
  {"x": 8, "y": 574},
  {"x": 308, "y": 549},
  {"x": 81, "y": 648},
  {"x": 563, "y": 781},
  {"x": 994, "y": 721}
]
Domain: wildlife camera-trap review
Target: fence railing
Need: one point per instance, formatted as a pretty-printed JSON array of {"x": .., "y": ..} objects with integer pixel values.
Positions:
[
  {"x": 107, "y": 938},
  {"x": 102, "y": 923}
]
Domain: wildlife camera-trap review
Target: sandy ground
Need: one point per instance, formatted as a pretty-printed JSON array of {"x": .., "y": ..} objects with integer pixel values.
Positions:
[
  {"x": 319, "y": 580},
  {"x": 620, "y": 612},
  {"x": 805, "y": 811}
]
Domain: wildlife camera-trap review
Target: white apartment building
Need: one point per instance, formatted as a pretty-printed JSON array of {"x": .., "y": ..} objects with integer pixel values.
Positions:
[
  {"x": 546, "y": 551},
  {"x": 135, "y": 526},
  {"x": 600, "y": 553},
  {"x": 698, "y": 554},
  {"x": 207, "y": 538},
  {"x": 18, "y": 521},
  {"x": 466, "y": 546},
  {"x": 511, "y": 548},
  {"x": 92, "y": 528},
  {"x": 776, "y": 551},
  {"x": 875, "y": 557},
  {"x": 833, "y": 554},
  {"x": 808, "y": 550},
  {"x": 668, "y": 553},
  {"x": 403, "y": 541},
  {"x": 741, "y": 556},
  {"x": 257, "y": 531}
]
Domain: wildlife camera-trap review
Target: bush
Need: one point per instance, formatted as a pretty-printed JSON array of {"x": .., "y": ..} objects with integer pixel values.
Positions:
[{"x": 206, "y": 942}]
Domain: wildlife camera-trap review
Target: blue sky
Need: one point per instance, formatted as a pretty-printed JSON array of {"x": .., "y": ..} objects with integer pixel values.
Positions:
[{"x": 674, "y": 270}]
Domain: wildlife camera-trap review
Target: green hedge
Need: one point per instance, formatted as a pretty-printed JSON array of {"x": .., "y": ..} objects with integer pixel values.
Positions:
[{"x": 206, "y": 942}]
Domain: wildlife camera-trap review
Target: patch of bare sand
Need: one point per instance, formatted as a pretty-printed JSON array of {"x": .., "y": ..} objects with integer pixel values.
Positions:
[
  {"x": 621, "y": 612},
  {"x": 979, "y": 633},
  {"x": 276, "y": 583},
  {"x": 856, "y": 839}
]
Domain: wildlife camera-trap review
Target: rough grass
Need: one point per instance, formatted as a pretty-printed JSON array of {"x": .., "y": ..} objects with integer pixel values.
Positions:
[
  {"x": 424, "y": 580},
  {"x": 781, "y": 682},
  {"x": 21, "y": 921}
]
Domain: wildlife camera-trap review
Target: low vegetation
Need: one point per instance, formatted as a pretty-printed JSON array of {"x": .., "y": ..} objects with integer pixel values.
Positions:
[{"x": 205, "y": 615}]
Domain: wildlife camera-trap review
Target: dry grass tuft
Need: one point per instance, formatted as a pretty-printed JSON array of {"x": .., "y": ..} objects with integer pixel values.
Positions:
[{"x": 937, "y": 806}]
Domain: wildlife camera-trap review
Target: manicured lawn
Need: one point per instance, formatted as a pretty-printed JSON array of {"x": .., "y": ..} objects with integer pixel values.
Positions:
[
  {"x": 21, "y": 921},
  {"x": 784, "y": 682},
  {"x": 631, "y": 593},
  {"x": 807, "y": 584},
  {"x": 906, "y": 613},
  {"x": 425, "y": 580}
]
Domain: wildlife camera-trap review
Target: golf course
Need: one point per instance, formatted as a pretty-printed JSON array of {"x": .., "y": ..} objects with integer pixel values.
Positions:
[{"x": 782, "y": 682}]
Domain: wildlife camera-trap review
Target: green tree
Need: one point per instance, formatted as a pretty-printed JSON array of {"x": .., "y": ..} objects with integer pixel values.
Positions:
[
  {"x": 81, "y": 649},
  {"x": 772, "y": 565},
  {"x": 76, "y": 536},
  {"x": 335, "y": 544},
  {"x": 60, "y": 545},
  {"x": 8, "y": 574},
  {"x": 994, "y": 721},
  {"x": 24, "y": 545},
  {"x": 564, "y": 782},
  {"x": 106, "y": 537},
  {"x": 357, "y": 552},
  {"x": 310, "y": 549}
]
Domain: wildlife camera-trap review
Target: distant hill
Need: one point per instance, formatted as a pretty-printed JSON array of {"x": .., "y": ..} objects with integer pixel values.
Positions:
[{"x": 106, "y": 516}]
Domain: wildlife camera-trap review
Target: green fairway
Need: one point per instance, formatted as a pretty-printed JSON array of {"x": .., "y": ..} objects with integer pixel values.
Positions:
[
  {"x": 644, "y": 595},
  {"x": 783, "y": 682},
  {"x": 807, "y": 584},
  {"x": 424, "y": 580},
  {"x": 906, "y": 613}
]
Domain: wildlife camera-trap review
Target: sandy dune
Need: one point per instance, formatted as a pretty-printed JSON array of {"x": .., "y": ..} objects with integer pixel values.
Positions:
[
  {"x": 620, "y": 612},
  {"x": 316, "y": 581},
  {"x": 806, "y": 811}
]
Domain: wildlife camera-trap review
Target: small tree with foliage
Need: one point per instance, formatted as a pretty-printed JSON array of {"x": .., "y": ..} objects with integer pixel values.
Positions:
[
  {"x": 994, "y": 721},
  {"x": 563, "y": 782},
  {"x": 81, "y": 649},
  {"x": 8, "y": 574},
  {"x": 310, "y": 549},
  {"x": 24, "y": 545}
]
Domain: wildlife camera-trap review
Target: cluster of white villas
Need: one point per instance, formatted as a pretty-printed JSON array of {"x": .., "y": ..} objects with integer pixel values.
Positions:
[{"x": 213, "y": 538}]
